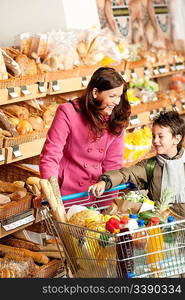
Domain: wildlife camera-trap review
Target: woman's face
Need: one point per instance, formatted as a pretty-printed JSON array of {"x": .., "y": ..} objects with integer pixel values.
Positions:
[
  {"x": 109, "y": 98},
  {"x": 163, "y": 140}
]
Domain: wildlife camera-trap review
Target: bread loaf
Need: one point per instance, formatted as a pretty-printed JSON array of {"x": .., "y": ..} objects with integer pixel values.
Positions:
[
  {"x": 37, "y": 256},
  {"x": 7, "y": 125},
  {"x": 11, "y": 241},
  {"x": 21, "y": 112}
]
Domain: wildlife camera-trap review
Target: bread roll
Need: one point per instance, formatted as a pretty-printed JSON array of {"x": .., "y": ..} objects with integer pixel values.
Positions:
[{"x": 4, "y": 199}]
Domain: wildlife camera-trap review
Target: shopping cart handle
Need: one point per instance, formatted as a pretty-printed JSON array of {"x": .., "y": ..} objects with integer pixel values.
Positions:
[{"x": 127, "y": 185}]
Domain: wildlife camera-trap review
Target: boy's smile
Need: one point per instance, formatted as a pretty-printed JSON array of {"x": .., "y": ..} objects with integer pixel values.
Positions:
[{"x": 163, "y": 141}]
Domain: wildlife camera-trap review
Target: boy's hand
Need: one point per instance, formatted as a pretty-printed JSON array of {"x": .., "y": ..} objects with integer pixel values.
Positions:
[{"x": 97, "y": 189}]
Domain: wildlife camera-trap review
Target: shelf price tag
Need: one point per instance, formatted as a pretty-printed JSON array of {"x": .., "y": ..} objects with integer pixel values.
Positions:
[
  {"x": 155, "y": 71},
  {"x": 12, "y": 93},
  {"x": 146, "y": 71},
  {"x": 174, "y": 107},
  {"x": 172, "y": 67},
  {"x": 25, "y": 91},
  {"x": 84, "y": 81},
  {"x": 55, "y": 86},
  {"x": 162, "y": 69},
  {"x": 151, "y": 115},
  {"x": 133, "y": 74},
  {"x": 41, "y": 87},
  {"x": 123, "y": 75},
  {"x": 134, "y": 120},
  {"x": 179, "y": 66},
  {"x": 2, "y": 158},
  {"x": 16, "y": 151},
  {"x": 15, "y": 224},
  {"x": 183, "y": 103}
]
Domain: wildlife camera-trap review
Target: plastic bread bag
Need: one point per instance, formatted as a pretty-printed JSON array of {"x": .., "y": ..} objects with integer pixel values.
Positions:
[{"x": 23, "y": 42}]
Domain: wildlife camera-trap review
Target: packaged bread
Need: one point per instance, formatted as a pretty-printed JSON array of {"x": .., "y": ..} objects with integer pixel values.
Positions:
[
  {"x": 6, "y": 124},
  {"x": 27, "y": 65},
  {"x": 3, "y": 70},
  {"x": 11, "y": 64},
  {"x": 36, "y": 122}
]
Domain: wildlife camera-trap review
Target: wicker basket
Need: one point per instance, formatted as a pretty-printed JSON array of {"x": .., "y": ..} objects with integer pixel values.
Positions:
[
  {"x": 51, "y": 269},
  {"x": 11, "y": 173},
  {"x": 24, "y": 138}
]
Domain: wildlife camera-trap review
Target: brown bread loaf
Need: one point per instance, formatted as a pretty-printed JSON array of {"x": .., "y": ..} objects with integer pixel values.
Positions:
[{"x": 37, "y": 256}]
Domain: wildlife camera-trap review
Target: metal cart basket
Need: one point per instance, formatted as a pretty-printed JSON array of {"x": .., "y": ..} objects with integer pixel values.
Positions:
[{"x": 149, "y": 252}]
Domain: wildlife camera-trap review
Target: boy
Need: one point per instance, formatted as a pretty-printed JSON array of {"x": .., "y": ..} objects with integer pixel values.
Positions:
[{"x": 168, "y": 131}]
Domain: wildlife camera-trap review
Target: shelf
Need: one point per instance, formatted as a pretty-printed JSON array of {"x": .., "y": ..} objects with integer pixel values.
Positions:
[{"x": 27, "y": 150}]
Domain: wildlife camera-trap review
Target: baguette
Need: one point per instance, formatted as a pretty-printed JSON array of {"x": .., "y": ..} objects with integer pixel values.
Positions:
[
  {"x": 38, "y": 257},
  {"x": 11, "y": 241}
]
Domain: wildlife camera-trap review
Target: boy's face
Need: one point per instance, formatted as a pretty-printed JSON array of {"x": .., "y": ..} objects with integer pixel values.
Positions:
[{"x": 163, "y": 140}]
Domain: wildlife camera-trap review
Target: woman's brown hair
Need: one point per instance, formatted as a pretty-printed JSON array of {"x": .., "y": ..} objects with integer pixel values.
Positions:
[{"x": 105, "y": 79}]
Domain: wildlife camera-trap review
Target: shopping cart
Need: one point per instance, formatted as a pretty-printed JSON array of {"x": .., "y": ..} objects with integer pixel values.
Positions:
[{"x": 149, "y": 252}]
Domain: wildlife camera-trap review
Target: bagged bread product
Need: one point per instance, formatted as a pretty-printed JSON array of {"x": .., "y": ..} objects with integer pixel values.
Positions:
[
  {"x": 11, "y": 64},
  {"x": 27, "y": 65},
  {"x": 36, "y": 122},
  {"x": 3, "y": 71},
  {"x": 6, "y": 124}
]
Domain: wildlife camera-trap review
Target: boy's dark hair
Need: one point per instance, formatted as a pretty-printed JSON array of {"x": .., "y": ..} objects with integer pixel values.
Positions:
[{"x": 173, "y": 120}]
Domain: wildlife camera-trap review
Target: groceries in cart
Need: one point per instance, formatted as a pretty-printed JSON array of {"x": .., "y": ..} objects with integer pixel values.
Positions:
[{"x": 139, "y": 240}]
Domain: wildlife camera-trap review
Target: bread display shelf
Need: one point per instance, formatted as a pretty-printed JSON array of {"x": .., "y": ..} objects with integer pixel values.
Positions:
[
  {"x": 22, "y": 93},
  {"x": 22, "y": 81},
  {"x": 25, "y": 150},
  {"x": 24, "y": 138}
]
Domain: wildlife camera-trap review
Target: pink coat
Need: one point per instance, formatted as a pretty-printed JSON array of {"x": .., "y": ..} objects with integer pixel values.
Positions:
[{"x": 69, "y": 154}]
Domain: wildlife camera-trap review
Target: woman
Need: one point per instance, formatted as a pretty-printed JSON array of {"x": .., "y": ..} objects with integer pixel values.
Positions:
[{"x": 86, "y": 136}]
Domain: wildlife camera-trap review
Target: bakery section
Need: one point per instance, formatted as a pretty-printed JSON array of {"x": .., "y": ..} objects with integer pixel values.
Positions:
[{"x": 38, "y": 72}]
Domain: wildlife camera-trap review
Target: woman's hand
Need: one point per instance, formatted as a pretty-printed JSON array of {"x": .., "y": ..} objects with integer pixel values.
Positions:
[{"x": 97, "y": 189}]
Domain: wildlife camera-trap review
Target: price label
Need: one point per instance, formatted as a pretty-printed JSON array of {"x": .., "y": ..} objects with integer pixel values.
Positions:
[
  {"x": 183, "y": 103},
  {"x": 2, "y": 158},
  {"x": 155, "y": 71},
  {"x": 174, "y": 107},
  {"x": 18, "y": 223},
  {"x": 172, "y": 67},
  {"x": 55, "y": 86},
  {"x": 16, "y": 151},
  {"x": 146, "y": 72},
  {"x": 84, "y": 81},
  {"x": 12, "y": 93},
  {"x": 41, "y": 87},
  {"x": 133, "y": 74},
  {"x": 151, "y": 115},
  {"x": 179, "y": 66},
  {"x": 25, "y": 91},
  {"x": 134, "y": 120},
  {"x": 124, "y": 76},
  {"x": 162, "y": 69}
]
